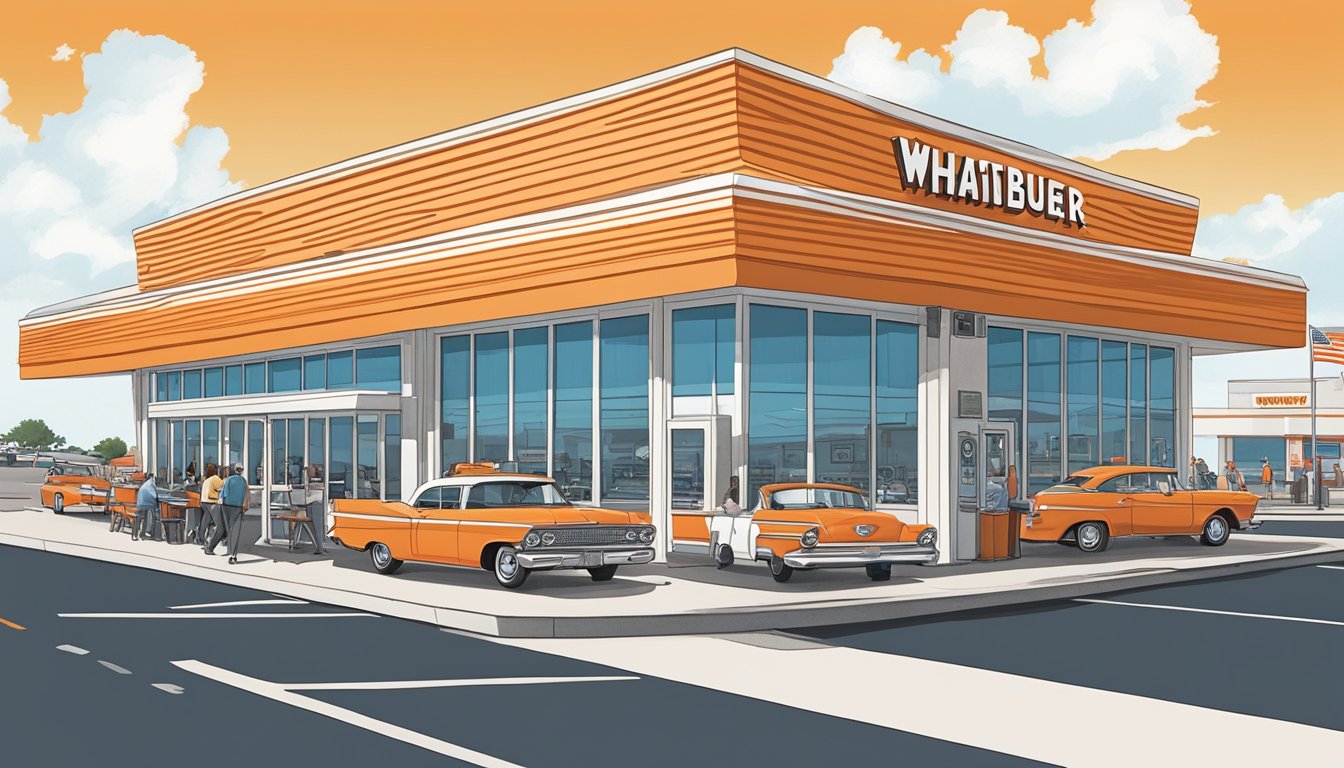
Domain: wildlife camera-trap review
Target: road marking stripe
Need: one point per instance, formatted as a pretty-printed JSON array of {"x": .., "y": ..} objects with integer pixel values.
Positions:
[
  {"x": 168, "y": 688},
  {"x": 12, "y": 625},
  {"x": 1332, "y": 567},
  {"x": 210, "y": 615},
  {"x": 120, "y": 670},
  {"x": 232, "y": 603},
  {"x": 72, "y": 649},
  {"x": 392, "y": 685},
  {"x": 1210, "y": 610},
  {"x": 276, "y": 692}
]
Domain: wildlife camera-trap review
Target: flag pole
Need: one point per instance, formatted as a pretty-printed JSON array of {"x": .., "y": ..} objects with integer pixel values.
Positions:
[{"x": 1315, "y": 457}]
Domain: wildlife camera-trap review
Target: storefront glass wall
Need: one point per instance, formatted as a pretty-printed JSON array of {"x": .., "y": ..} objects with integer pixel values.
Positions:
[
  {"x": 531, "y": 351},
  {"x": 1247, "y": 452},
  {"x": 572, "y": 420},
  {"x": 703, "y": 344},
  {"x": 777, "y": 397},
  {"x": 370, "y": 368},
  {"x": 1118, "y": 401},
  {"x": 897, "y": 480},
  {"x": 841, "y": 390},
  {"x": 624, "y": 411},
  {"x": 454, "y": 399},
  {"x": 491, "y": 385}
]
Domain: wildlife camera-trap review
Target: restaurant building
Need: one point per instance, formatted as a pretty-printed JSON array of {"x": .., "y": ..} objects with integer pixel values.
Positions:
[
  {"x": 725, "y": 268},
  {"x": 1271, "y": 419}
]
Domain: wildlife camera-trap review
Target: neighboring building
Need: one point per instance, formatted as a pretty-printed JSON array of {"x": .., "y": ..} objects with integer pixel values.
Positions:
[
  {"x": 1271, "y": 418},
  {"x": 728, "y": 267}
]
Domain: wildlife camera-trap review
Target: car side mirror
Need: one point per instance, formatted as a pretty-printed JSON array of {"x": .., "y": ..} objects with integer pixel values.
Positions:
[{"x": 1165, "y": 488}]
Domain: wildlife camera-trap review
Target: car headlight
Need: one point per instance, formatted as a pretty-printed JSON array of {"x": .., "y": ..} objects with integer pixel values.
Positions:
[
  {"x": 532, "y": 539},
  {"x": 631, "y": 534},
  {"x": 646, "y": 535},
  {"x": 927, "y": 537},
  {"x": 548, "y": 538},
  {"x": 810, "y": 537}
]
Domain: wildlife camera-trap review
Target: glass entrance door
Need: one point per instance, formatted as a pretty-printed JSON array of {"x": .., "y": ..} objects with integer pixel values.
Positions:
[{"x": 696, "y": 481}]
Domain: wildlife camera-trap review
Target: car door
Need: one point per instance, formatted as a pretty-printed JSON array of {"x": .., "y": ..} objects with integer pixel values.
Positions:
[
  {"x": 436, "y": 525},
  {"x": 1162, "y": 514},
  {"x": 1109, "y": 502}
]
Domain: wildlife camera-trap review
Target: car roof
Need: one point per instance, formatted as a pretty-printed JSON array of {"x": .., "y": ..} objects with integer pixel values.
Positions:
[
  {"x": 486, "y": 478},
  {"x": 775, "y": 487},
  {"x": 1111, "y": 470}
]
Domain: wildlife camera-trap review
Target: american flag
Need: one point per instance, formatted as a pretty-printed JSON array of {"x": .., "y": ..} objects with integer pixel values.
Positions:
[{"x": 1327, "y": 346}]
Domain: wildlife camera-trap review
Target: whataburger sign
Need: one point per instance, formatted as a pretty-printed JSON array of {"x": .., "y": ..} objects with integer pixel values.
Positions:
[
  {"x": 1280, "y": 401},
  {"x": 985, "y": 182}
]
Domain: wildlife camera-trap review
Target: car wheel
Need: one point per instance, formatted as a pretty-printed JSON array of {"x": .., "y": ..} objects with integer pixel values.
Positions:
[
  {"x": 508, "y": 571},
  {"x": 1092, "y": 537},
  {"x": 383, "y": 561},
  {"x": 878, "y": 572},
  {"x": 780, "y": 570},
  {"x": 723, "y": 556},
  {"x": 58, "y": 504},
  {"x": 602, "y": 574},
  {"x": 1216, "y": 532}
]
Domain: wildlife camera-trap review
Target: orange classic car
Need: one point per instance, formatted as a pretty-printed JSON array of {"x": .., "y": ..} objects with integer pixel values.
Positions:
[
  {"x": 801, "y": 526},
  {"x": 68, "y": 484},
  {"x": 509, "y": 524},
  {"x": 1094, "y": 505}
]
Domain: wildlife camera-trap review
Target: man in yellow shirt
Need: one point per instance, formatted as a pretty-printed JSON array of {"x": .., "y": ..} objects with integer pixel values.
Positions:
[{"x": 209, "y": 504}]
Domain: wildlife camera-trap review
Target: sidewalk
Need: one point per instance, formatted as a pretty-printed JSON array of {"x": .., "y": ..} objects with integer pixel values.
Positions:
[{"x": 686, "y": 596}]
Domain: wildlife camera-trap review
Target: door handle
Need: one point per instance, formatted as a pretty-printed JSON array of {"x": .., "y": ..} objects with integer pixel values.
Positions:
[{"x": 1122, "y": 501}]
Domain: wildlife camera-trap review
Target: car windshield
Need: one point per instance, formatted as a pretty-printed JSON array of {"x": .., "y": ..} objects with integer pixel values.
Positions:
[
  {"x": 515, "y": 493},
  {"x": 817, "y": 498}
]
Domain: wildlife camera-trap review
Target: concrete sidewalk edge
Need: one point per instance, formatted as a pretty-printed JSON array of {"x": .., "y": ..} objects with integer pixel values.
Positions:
[{"x": 708, "y": 622}]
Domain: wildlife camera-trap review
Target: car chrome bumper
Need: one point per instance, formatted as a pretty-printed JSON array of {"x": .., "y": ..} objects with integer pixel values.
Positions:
[
  {"x": 1245, "y": 525},
  {"x": 545, "y": 559},
  {"x": 853, "y": 555}
]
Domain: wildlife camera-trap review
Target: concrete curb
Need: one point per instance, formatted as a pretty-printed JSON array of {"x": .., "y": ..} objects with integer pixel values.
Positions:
[{"x": 827, "y": 613}]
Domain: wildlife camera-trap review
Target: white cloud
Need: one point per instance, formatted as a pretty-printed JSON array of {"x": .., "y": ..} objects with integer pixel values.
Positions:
[
  {"x": 1271, "y": 235},
  {"x": 63, "y": 53},
  {"x": 70, "y": 198},
  {"x": 1119, "y": 82}
]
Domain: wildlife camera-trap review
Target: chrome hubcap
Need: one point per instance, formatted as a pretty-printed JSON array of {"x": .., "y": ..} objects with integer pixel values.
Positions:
[
  {"x": 381, "y": 555},
  {"x": 508, "y": 565},
  {"x": 1089, "y": 535},
  {"x": 1217, "y": 528}
]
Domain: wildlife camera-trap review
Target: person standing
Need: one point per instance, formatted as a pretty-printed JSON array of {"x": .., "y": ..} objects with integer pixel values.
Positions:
[
  {"x": 1204, "y": 477},
  {"x": 147, "y": 510},
  {"x": 233, "y": 499},
  {"x": 1235, "y": 480},
  {"x": 1267, "y": 477},
  {"x": 210, "y": 513}
]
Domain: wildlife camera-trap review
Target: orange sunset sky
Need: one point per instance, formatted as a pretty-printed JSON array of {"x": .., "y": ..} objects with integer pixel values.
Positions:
[{"x": 301, "y": 84}]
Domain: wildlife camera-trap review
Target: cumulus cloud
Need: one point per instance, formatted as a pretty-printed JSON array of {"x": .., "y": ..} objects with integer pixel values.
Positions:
[
  {"x": 71, "y": 195},
  {"x": 1118, "y": 82},
  {"x": 63, "y": 53},
  {"x": 1269, "y": 234}
]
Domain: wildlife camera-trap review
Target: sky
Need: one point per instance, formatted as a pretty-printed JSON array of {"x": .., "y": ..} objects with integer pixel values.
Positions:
[{"x": 113, "y": 115}]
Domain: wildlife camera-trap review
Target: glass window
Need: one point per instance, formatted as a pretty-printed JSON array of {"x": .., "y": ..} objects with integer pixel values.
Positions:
[
  {"x": 451, "y": 498},
  {"x": 193, "y": 453},
  {"x": 1043, "y": 411},
  {"x": 254, "y": 378},
  {"x": 278, "y": 451},
  {"x": 340, "y": 370},
  {"x": 284, "y": 375},
  {"x": 1083, "y": 411},
  {"x": 209, "y": 444},
  {"x": 317, "y": 454},
  {"x": 702, "y": 351},
  {"x": 179, "y": 452},
  {"x": 777, "y": 396},
  {"x": 392, "y": 457},
  {"x": 1114, "y": 442},
  {"x": 233, "y": 380},
  {"x": 256, "y": 452},
  {"x": 1162, "y": 406},
  {"x": 531, "y": 347},
  {"x": 366, "y": 454},
  {"x": 1138, "y": 404},
  {"x": 1249, "y": 454},
  {"x": 315, "y": 372},
  {"x": 492, "y": 397},
  {"x": 379, "y": 368},
  {"x": 454, "y": 391},
  {"x": 898, "y": 412},
  {"x": 841, "y": 381},
  {"x": 573, "y": 420},
  {"x": 162, "y": 457},
  {"x": 514, "y": 494},
  {"x": 624, "y": 409},
  {"x": 430, "y": 498},
  {"x": 294, "y": 442},
  {"x": 340, "y": 478},
  {"x": 214, "y": 382},
  {"x": 161, "y": 387},
  {"x": 236, "y": 442},
  {"x": 191, "y": 384},
  {"x": 174, "y": 385}
]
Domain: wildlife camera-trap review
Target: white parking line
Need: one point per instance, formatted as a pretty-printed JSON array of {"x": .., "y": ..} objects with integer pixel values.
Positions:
[
  {"x": 233, "y": 603},
  {"x": 1332, "y": 567},
  {"x": 278, "y": 693},
  {"x": 120, "y": 670},
  {"x": 395, "y": 685},
  {"x": 72, "y": 649},
  {"x": 176, "y": 690},
  {"x": 1211, "y": 611},
  {"x": 210, "y": 615}
]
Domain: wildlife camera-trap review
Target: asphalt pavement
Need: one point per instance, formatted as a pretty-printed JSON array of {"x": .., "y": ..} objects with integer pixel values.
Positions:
[{"x": 276, "y": 685}]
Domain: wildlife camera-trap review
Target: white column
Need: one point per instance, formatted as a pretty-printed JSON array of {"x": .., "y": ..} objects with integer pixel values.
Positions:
[{"x": 937, "y": 492}]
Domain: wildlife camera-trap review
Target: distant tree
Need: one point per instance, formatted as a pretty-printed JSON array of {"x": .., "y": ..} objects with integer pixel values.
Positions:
[
  {"x": 75, "y": 449},
  {"x": 34, "y": 433},
  {"x": 110, "y": 448}
]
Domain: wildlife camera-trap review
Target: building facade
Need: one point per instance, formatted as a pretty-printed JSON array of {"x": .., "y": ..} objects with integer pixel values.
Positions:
[{"x": 727, "y": 269}]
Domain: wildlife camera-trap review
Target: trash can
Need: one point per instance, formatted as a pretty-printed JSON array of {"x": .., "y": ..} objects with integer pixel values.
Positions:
[
  {"x": 1016, "y": 509},
  {"x": 1299, "y": 489},
  {"x": 991, "y": 534}
]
